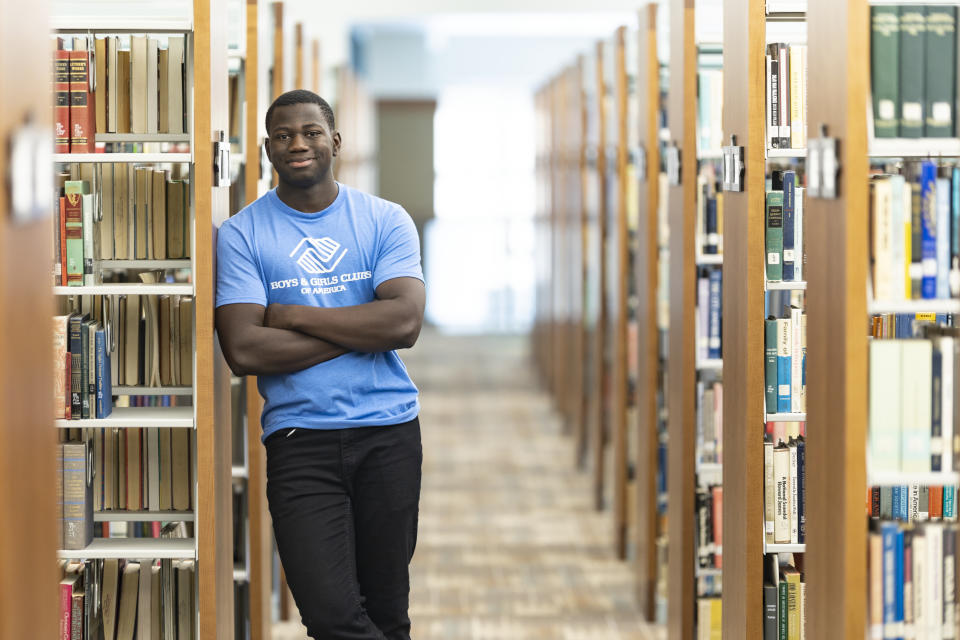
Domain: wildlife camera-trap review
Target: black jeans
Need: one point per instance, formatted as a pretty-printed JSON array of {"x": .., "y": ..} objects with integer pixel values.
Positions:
[{"x": 344, "y": 505}]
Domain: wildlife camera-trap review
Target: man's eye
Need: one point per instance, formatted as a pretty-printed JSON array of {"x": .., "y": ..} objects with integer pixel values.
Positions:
[
  {"x": 282, "y": 136},
  {"x": 313, "y": 134}
]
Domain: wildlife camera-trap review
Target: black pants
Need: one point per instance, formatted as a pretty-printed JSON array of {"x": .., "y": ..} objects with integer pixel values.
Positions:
[{"x": 344, "y": 505}]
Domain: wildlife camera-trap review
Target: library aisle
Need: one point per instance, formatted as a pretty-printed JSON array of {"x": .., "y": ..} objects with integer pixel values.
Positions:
[{"x": 510, "y": 546}]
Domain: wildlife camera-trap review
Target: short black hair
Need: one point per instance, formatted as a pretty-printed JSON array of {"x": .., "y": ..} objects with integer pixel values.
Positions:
[{"x": 302, "y": 96}]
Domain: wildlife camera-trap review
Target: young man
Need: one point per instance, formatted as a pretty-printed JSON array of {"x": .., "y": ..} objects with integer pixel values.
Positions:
[{"x": 318, "y": 284}]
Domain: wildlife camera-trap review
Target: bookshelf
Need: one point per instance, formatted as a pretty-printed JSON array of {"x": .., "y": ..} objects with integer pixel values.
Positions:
[
  {"x": 209, "y": 414},
  {"x": 647, "y": 278},
  {"x": 681, "y": 427}
]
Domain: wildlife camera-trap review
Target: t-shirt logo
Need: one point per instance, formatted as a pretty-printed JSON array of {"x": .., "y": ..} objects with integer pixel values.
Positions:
[{"x": 318, "y": 255}]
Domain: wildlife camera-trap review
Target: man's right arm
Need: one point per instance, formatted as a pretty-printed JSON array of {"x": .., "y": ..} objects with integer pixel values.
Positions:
[{"x": 253, "y": 349}]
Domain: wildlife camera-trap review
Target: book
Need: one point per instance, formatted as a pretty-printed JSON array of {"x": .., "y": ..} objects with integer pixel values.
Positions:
[
  {"x": 77, "y": 495},
  {"x": 794, "y": 494},
  {"x": 175, "y": 76},
  {"x": 100, "y": 84},
  {"x": 774, "y": 235},
  {"x": 940, "y": 66},
  {"x": 185, "y": 600},
  {"x": 127, "y": 610},
  {"x": 151, "y": 111},
  {"x": 781, "y": 478},
  {"x": 885, "y": 398},
  {"x": 768, "y": 490},
  {"x": 789, "y": 226},
  {"x": 73, "y": 236},
  {"x": 942, "y": 239},
  {"x": 916, "y": 390},
  {"x": 82, "y": 101},
  {"x": 104, "y": 386},
  {"x": 911, "y": 72},
  {"x": 111, "y": 78},
  {"x": 138, "y": 84},
  {"x": 770, "y": 364},
  {"x": 61, "y": 101},
  {"x": 798, "y": 85},
  {"x": 773, "y": 95},
  {"x": 885, "y": 70},
  {"x": 714, "y": 331},
  {"x": 158, "y": 214},
  {"x": 145, "y": 602},
  {"x": 784, "y": 365}
]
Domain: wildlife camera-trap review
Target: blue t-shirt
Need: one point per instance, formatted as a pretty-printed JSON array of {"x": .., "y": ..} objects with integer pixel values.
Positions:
[{"x": 271, "y": 253}]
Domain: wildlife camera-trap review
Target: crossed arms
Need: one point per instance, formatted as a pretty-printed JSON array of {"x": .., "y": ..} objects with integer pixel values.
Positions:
[{"x": 286, "y": 338}]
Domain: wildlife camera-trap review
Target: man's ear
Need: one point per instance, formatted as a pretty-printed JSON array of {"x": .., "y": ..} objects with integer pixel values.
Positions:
[
  {"x": 266, "y": 148},
  {"x": 336, "y": 143}
]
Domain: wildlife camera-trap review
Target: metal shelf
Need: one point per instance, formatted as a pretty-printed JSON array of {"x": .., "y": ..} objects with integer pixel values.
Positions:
[
  {"x": 133, "y": 417},
  {"x": 786, "y": 417},
  {"x": 898, "y": 478},
  {"x": 779, "y": 285},
  {"x": 120, "y": 24},
  {"x": 709, "y": 259},
  {"x": 784, "y": 548},
  {"x": 714, "y": 364},
  {"x": 708, "y": 571},
  {"x": 121, "y": 288},
  {"x": 144, "y": 516},
  {"x": 238, "y": 471},
  {"x": 143, "y": 137},
  {"x": 914, "y": 147},
  {"x": 146, "y": 264},
  {"x": 134, "y": 548},
  {"x": 710, "y": 154},
  {"x": 145, "y": 158},
  {"x": 121, "y": 390},
  {"x": 942, "y": 305},
  {"x": 786, "y": 153}
]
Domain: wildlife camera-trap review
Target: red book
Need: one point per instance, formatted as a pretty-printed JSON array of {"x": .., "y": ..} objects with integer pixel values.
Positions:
[
  {"x": 83, "y": 112},
  {"x": 935, "y": 503},
  {"x": 66, "y": 607},
  {"x": 61, "y": 101},
  {"x": 67, "y": 401}
]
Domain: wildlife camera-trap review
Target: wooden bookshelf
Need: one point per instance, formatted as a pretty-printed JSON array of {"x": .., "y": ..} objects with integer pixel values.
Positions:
[
  {"x": 579, "y": 222},
  {"x": 619, "y": 280},
  {"x": 836, "y": 569},
  {"x": 298, "y": 56},
  {"x": 28, "y": 606},
  {"x": 647, "y": 259},
  {"x": 681, "y": 425}
]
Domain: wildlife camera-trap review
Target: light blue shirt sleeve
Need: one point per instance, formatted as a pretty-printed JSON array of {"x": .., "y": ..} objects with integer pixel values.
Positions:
[
  {"x": 238, "y": 274},
  {"x": 398, "y": 255}
]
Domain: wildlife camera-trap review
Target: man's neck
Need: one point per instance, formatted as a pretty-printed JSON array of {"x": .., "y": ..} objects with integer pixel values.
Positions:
[{"x": 310, "y": 199}]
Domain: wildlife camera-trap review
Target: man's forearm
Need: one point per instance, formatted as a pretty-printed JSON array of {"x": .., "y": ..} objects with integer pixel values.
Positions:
[
  {"x": 269, "y": 351},
  {"x": 374, "y": 327}
]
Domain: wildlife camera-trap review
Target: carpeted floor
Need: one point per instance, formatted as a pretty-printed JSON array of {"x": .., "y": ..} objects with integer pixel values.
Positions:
[{"x": 509, "y": 545}]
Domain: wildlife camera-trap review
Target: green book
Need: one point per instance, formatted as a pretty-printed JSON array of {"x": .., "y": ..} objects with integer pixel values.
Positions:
[
  {"x": 782, "y": 610},
  {"x": 73, "y": 229},
  {"x": 941, "y": 68},
  {"x": 774, "y": 244},
  {"x": 770, "y": 364},
  {"x": 885, "y": 70},
  {"x": 913, "y": 27}
]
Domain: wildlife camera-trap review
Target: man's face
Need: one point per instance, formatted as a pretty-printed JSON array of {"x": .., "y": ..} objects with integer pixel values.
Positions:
[{"x": 301, "y": 145}]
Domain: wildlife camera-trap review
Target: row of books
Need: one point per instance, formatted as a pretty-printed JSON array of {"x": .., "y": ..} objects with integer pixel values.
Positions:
[
  {"x": 912, "y": 503},
  {"x": 784, "y": 600},
  {"x": 709, "y": 212},
  {"x": 709, "y": 531},
  {"x": 907, "y": 325},
  {"x": 138, "y": 213},
  {"x": 117, "y": 85},
  {"x": 911, "y": 404},
  {"x": 710, "y": 422},
  {"x": 786, "y": 66},
  {"x": 913, "y": 68},
  {"x": 784, "y": 224},
  {"x": 128, "y": 600},
  {"x": 784, "y": 491},
  {"x": 709, "y": 313},
  {"x": 82, "y": 368},
  {"x": 915, "y": 239},
  {"x": 912, "y": 583},
  {"x": 785, "y": 363},
  {"x": 709, "y": 618}
]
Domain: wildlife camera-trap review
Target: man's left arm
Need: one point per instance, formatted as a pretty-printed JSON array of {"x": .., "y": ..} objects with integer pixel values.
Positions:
[{"x": 392, "y": 321}]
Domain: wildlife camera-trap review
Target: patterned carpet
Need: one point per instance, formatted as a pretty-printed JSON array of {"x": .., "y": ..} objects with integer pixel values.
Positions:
[{"x": 509, "y": 546}]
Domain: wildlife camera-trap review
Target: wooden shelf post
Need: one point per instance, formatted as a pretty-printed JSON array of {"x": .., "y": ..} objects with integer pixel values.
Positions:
[
  {"x": 29, "y": 539},
  {"x": 647, "y": 256},
  {"x": 211, "y": 208},
  {"x": 836, "y": 242},
  {"x": 580, "y": 222},
  {"x": 681, "y": 364},
  {"x": 744, "y": 108}
]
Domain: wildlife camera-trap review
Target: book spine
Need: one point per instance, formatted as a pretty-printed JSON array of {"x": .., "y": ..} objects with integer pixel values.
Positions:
[
  {"x": 103, "y": 371},
  {"x": 797, "y": 96},
  {"x": 885, "y": 70},
  {"x": 77, "y": 503},
  {"x": 712, "y": 229},
  {"x": 940, "y": 64},
  {"x": 784, "y": 341},
  {"x": 781, "y": 474},
  {"x": 942, "y": 190},
  {"x": 82, "y": 108},
  {"x": 784, "y": 61},
  {"x": 768, "y": 491},
  {"x": 947, "y": 360},
  {"x": 61, "y": 101},
  {"x": 955, "y": 232},
  {"x": 794, "y": 496},
  {"x": 774, "y": 101},
  {"x": 783, "y": 617},
  {"x": 936, "y": 404},
  {"x": 85, "y": 370},
  {"x": 801, "y": 491},
  {"x": 928, "y": 222},
  {"x": 87, "y": 213},
  {"x": 73, "y": 237},
  {"x": 774, "y": 235},
  {"x": 796, "y": 360},
  {"x": 76, "y": 351},
  {"x": 66, "y": 610},
  {"x": 799, "y": 255},
  {"x": 714, "y": 345},
  {"x": 916, "y": 241},
  {"x": 911, "y": 72},
  {"x": 789, "y": 228},
  {"x": 770, "y": 364},
  {"x": 770, "y": 598}
]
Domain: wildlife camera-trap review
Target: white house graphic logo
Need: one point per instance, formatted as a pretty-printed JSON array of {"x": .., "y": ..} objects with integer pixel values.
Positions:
[{"x": 318, "y": 255}]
